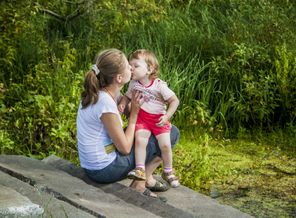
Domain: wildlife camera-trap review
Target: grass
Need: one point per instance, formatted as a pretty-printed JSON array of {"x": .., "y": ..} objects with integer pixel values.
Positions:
[{"x": 257, "y": 175}]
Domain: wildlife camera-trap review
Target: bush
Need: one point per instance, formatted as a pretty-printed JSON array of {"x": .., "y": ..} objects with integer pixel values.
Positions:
[{"x": 231, "y": 63}]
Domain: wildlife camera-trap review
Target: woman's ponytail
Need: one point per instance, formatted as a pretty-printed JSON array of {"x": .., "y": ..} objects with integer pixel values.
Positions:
[{"x": 91, "y": 89}]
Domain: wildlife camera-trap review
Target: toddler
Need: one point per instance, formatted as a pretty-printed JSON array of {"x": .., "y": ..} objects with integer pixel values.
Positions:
[{"x": 154, "y": 114}]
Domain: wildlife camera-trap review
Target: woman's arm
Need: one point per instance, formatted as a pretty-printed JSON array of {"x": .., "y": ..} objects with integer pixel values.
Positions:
[{"x": 123, "y": 141}]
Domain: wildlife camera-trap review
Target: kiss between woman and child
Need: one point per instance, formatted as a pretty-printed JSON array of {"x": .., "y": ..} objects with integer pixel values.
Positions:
[{"x": 107, "y": 151}]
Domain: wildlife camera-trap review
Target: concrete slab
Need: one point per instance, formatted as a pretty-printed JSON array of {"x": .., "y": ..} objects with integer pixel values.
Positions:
[
  {"x": 183, "y": 198},
  {"x": 121, "y": 191},
  {"x": 13, "y": 204},
  {"x": 69, "y": 189},
  {"x": 52, "y": 207}
]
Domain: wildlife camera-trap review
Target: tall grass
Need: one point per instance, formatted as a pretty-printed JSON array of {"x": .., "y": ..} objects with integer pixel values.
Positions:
[
  {"x": 217, "y": 54},
  {"x": 231, "y": 63}
]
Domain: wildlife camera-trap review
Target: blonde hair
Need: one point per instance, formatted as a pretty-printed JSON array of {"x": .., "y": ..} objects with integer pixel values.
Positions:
[
  {"x": 110, "y": 63},
  {"x": 150, "y": 59}
]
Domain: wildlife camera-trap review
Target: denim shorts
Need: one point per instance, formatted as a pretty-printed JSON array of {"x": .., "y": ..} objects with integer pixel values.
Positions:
[{"x": 123, "y": 164}]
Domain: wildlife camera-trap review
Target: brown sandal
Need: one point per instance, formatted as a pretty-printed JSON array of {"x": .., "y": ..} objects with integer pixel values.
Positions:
[
  {"x": 171, "y": 179},
  {"x": 137, "y": 174},
  {"x": 158, "y": 187}
]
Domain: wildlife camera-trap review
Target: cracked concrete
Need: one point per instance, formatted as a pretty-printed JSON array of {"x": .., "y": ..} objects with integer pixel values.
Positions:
[{"x": 60, "y": 189}]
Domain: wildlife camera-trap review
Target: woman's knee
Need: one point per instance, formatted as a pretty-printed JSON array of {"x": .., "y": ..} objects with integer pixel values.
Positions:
[
  {"x": 175, "y": 136},
  {"x": 165, "y": 147}
]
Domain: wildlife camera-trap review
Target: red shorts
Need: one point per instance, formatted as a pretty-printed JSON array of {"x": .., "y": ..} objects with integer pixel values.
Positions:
[{"x": 148, "y": 121}]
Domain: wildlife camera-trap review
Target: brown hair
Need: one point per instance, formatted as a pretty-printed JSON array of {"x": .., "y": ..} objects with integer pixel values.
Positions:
[
  {"x": 150, "y": 59},
  {"x": 109, "y": 62}
]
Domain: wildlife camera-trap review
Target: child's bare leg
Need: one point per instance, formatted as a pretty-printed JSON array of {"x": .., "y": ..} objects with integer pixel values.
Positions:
[
  {"x": 164, "y": 142},
  {"x": 142, "y": 137}
]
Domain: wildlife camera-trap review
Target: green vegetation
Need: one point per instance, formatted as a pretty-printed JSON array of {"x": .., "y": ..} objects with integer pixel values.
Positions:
[
  {"x": 232, "y": 64},
  {"x": 254, "y": 173}
]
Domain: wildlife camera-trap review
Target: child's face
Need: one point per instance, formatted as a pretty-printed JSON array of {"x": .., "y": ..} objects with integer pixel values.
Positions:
[{"x": 139, "y": 69}]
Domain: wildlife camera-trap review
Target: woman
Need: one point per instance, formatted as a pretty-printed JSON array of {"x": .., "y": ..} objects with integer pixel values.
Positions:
[{"x": 105, "y": 149}]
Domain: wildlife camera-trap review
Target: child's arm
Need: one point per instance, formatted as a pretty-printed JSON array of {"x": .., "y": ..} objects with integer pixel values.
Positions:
[
  {"x": 123, "y": 103},
  {"x": 173, "y": 103}
]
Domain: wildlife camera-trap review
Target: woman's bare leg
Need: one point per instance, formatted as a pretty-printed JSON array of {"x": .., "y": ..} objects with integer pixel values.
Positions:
[{"x": 150, "y": 168}]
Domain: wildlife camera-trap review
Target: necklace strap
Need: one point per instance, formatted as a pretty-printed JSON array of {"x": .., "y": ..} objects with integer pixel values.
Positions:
[{"x": 109, "y": 93}]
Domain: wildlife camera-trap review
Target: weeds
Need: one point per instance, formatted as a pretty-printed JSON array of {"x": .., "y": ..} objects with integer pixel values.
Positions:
[{"x": 254, "y": 173}]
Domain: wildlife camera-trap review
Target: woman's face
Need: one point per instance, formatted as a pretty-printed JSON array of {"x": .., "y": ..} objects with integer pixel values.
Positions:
[{"x": 126, "y": 74}]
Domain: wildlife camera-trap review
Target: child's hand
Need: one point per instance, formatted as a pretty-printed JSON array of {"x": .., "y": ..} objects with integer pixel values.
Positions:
[
  {"x": 163, "y": 120},
  {"x": 121, "y": 108}
]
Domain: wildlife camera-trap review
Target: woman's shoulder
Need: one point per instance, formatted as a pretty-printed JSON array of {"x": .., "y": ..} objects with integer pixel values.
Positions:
[
  {"x": 103, "y": 101},
  {"x": 105, "y": 98},
  {"x": 103, "y": 95}
]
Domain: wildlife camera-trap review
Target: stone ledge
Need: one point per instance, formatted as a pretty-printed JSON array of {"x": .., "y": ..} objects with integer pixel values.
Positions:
[
  {"x": 68, "y": 183},
  {"x": 52, "y": 206},
  {"x": 13, "y": 204}
]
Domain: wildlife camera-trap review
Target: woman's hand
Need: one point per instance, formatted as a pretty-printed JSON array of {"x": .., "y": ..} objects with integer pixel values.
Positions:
[{"x": 136, "y": 101}]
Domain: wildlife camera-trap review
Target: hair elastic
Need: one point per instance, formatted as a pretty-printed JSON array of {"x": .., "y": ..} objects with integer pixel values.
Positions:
[{"x": 95, "y": 69}]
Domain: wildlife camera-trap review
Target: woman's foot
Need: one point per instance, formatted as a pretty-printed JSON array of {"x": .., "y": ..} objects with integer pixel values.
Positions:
[
  {"x": 171, "y": 179},
  {"x": 140, "y": 187},
  {"x": 156, "y": 186},
  {"x": 148, "y": 193}
]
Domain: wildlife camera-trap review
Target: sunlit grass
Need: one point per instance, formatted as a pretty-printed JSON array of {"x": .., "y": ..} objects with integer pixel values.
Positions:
[{"x": 253, "y": 173}]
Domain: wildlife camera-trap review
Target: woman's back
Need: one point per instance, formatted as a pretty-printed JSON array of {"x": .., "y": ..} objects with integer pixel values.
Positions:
[{"x": 92, "y": 136}]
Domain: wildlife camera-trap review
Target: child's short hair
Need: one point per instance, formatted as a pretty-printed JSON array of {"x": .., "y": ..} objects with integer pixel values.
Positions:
[{"x": 150, "y": 59}]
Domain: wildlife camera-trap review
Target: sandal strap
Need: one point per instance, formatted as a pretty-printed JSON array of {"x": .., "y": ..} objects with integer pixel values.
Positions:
[
  {"x": 148, "y": 193},
  {"x": 158, "y": 184},
  {"x": 137, "y": 174},
  {"x": 173, "y": 178},
  {"x": 140, "y": 172},
  {"x": 140, "y": 169},
  {"x": 170, "y": 177},
  {"x": 158, "y": 187}
]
